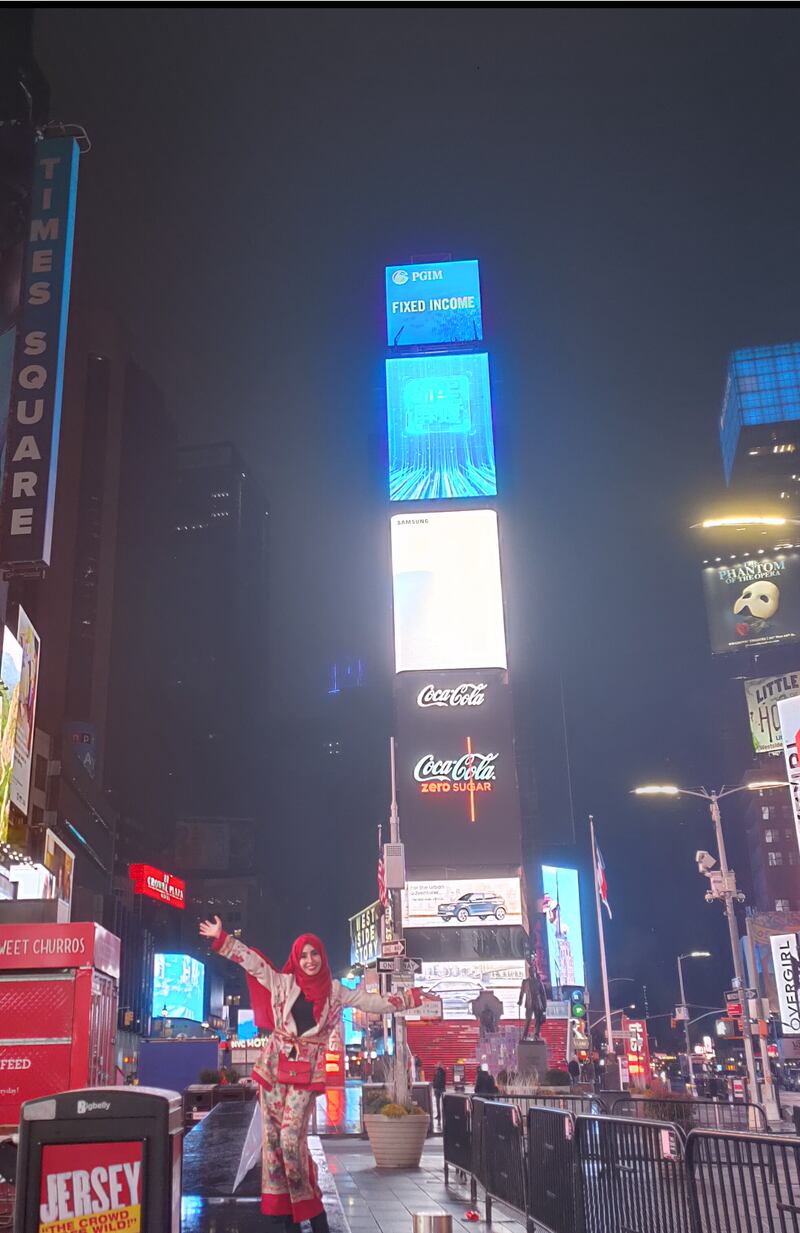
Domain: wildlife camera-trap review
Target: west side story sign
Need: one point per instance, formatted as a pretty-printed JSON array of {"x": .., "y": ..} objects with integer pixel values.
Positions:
[{"x": 26, "y": 517}]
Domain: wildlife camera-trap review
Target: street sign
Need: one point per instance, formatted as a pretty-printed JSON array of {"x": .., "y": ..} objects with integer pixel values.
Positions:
[
  {"x": 390, "y": 949},
  {"x": 431, "y": 1008},
  {"x": 733, "y": 1003},
  {"x": 385, "y": 967},
  {"x": 407, "y": 967},
  {"x": 682, "y": 1014}
]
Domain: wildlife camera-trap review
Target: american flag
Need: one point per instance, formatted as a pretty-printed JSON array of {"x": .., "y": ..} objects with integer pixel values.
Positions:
[{"x": 602, "y": 885}]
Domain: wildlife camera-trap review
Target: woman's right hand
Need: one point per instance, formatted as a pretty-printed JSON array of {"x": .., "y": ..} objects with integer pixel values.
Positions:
[{"x": 211, "y": 928}]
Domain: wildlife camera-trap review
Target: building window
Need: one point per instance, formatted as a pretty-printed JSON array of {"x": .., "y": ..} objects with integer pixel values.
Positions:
[
  {"x": 770, "y": 836},
  {"x": 774, "y": 858},
  {"x": 765, "y": 812},
  {"x": 792, "y": 858},
  {"x": 781, "y": 905}
]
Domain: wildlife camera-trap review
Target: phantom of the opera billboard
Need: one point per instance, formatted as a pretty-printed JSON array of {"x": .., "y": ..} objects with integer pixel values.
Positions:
[
  {"x": 456, "y": 775},
  {"x": 753, "y": 602}
]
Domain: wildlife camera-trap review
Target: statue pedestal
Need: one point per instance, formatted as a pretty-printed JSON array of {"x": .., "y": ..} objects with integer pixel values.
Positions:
[{"x": 532, "y": 1057}]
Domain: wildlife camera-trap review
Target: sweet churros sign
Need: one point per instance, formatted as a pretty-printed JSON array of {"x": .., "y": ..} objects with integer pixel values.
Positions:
[{"x": 91, "y": 1188}]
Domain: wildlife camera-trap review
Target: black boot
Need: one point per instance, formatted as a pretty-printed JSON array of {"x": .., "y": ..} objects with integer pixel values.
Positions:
[
  {"x": 319, "y": 1224},
  {"x": 290, "y": 1226}
]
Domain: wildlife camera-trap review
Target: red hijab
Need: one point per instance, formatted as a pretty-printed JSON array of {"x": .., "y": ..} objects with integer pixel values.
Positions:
[{"x": 316, "y": 988}]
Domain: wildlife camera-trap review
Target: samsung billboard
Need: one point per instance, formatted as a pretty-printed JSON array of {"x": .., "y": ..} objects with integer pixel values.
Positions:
[
  {"x": 448, "y": 596},
  {"x": 456, "y": 774},
  {"x": 439, "y": 412},
  {"x": 753, "y": 602},
  {"x": 432, "y": 303}
]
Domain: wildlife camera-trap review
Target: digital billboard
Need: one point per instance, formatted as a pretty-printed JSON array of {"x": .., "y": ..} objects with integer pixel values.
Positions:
[
  {"x": 763, "y": 695},
  {"x": 441, "y": 443},
  {"x": 26, "y": 718},
  {"x": 433, "y": 302},
  {"x": 789, "y": 719},
  {"x": 753, "y": 602},
  {"x": 448, "y": 596},
  {"x": 458, "y": 983},
  {"x": 178, "y": 987},
  {"x": 365, "y": 935},
  {"x": 462, "y": 902},
  {"x": 786, "y": 965},
  {"x": 456, "y": 773},
  {"x": 156, "y": 884},
  {"x": 10, "y": 677},
  {"x": 561, "y": 903}
]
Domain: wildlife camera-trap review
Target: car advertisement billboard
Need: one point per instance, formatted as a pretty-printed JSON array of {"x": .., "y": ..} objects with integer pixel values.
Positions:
[
  {"x": 178, "y": 987},
  {"x": 462, "y": 902},
  {"x": 459, "y": 983},
  {"x": 456, "y": 773},
  {"x": 447, "y": 589},
  {"x": 10, "y": 677},
  {"x": 26, "y": 717},
  {"x": 763, "y": 695},
  {"x": 786, "y": 967},
  {"x": 561, "y": 904},
  {"x": 753, "y": 602},
  {"x": 431, "y": 303},
  {"x": 441, "y": 443}
]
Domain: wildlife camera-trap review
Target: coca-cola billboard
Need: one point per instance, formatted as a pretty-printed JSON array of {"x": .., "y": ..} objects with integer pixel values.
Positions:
[{"x": 457, "y": 784}]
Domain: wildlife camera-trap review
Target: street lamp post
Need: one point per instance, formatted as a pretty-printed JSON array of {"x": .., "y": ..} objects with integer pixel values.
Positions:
[
  {"x": 723, "y": 886},
  {"x": 692, "y": 954}
]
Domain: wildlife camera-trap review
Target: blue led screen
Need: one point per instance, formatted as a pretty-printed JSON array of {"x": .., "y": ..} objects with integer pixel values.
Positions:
[
  {"x": 763, "y": 387},
  {"x": 435, "y": 303},
  {"x": 562, "y": 913},
  {"x": 178, "y": 985},
  {"x": 441, "y": 442}
]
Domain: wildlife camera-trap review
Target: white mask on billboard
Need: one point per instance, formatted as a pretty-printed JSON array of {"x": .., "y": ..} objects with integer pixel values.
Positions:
[{"x": 761, "y": 599}]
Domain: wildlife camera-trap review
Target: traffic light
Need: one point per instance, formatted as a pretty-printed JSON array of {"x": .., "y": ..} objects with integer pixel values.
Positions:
[{"x": 577, "y": 1003}]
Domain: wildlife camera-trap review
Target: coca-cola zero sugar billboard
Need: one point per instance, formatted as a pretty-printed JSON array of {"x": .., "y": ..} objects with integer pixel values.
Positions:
[{"x": 457, "y": 785}]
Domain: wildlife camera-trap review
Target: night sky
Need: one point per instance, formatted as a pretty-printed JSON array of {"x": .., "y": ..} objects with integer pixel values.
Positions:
[{"x": 628, "y": 179}]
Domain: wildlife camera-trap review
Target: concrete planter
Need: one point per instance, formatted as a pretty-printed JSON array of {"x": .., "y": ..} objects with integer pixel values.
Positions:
[{"x": 396, "y": 1142}]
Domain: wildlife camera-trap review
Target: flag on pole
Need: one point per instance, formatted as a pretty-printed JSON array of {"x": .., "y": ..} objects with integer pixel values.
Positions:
[{"x": 602, "y": 885}]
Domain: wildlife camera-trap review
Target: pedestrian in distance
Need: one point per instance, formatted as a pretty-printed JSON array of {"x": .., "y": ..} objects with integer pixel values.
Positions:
[
  {"x": 302, "y": 1005},
  {"x": 439, "y": 1087},
  {"x": 484, "y": 1082}
]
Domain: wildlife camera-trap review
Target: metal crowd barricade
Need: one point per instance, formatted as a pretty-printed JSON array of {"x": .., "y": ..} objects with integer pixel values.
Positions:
[
  {"x": 575, "y": 1104},
  {"x": 478, "y": 1110},
  {"x": 743, "y": 1183},
  {"x": 503, "y": 1157},
  {"x": 552, "y": 1172},
  {"x": 632, "y": 1176},
  {"x": 693, "y": 1114},
  {"x": 457, "y": 1138}
]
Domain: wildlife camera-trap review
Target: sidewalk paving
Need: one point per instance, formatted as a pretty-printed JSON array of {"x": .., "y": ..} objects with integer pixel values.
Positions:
[{"x": 384, "y": 1200}]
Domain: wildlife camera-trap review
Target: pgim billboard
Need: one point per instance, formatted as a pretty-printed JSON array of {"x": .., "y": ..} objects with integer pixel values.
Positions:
[
  {"x": 753, "y": 602},
  {"x": 456, "y": 772},
  {"x": 441, "y": 441},
  {"x": 430, "y": 303},
  {"x": 447, "y": 589}
]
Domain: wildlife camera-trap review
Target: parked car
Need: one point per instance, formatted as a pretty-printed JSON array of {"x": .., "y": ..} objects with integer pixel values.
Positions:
[{"x": 473, "y": 904}]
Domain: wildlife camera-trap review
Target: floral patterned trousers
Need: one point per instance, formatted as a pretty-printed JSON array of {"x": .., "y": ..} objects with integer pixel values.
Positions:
[{"x": 288, "y": 1177}]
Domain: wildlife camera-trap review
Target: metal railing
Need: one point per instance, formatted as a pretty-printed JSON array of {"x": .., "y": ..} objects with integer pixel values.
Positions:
[
  {"x": 743, "y": 1183},
  {"x": 457, "y": 1138},
  {"x": 552, "y": 1171},
  {"x": 504, "y": 1156},
  {"x": 691, "y": 1114},
  {"x": 632, "y": 1176}
]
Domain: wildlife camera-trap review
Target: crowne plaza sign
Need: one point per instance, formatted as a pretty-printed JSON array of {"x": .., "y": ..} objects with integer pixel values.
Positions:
[{"x": 156, "y": 884}]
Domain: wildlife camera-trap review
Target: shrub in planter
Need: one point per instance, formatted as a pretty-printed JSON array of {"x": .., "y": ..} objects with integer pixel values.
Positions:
[
  {"x": 209, "y": 1076},
  {"x": 556, "y": 1078},
  {"x": 396, "y": 1132}
]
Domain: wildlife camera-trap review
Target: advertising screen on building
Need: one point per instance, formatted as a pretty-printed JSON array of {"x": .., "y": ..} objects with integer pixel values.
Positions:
[
  {"x": 10, "y": 677},
  {"x": 754, "y": 602},
  {"x": 561, "y": 903},
  {"x": 789, "y": 719},
  {"x": 459, "y": 983},
  {"x": 456, "y": 773},
  {"x": 156, "y": 884},
  {"x": 26, "y": 718},
  {"x": 91, "y": 1187},
  {"x": 365, "y": 935},
  {"x": 462, "y": 902},
  {"x": 59, "y": 860},
  {"x": 787, "y": 981},
  {"x": 436, "y": 302},
  {"x": 178, "y": 987},
  {"x": 763, "y": 695},
  {"x": 441, "y": 443},
  {"x": 448, "y": 597}
]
